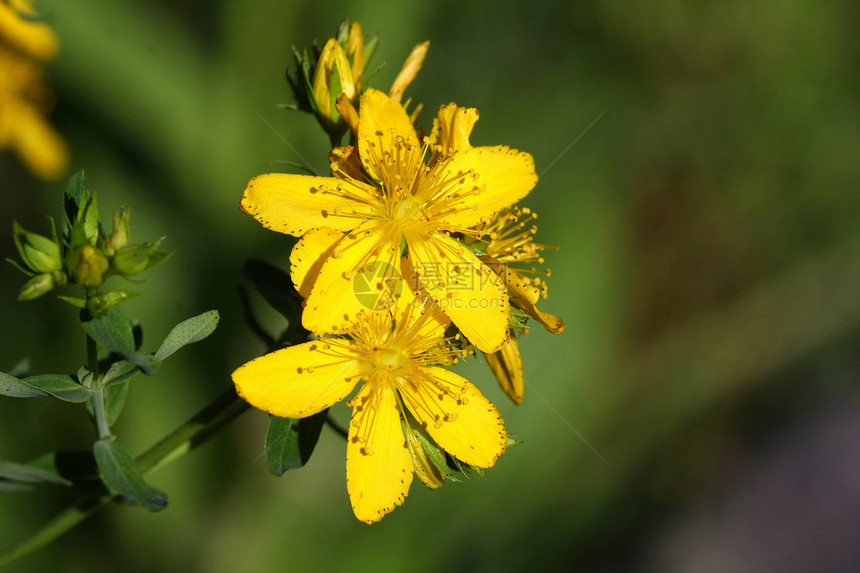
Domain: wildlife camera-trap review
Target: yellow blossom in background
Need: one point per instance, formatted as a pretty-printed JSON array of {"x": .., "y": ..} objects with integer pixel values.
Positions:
[
  {"x": 361, "y": 216},
  {"x": 400, "y": 355},
  {"x": 25, "y": 44}
]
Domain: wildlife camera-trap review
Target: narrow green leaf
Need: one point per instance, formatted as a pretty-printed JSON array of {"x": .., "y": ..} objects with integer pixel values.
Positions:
[
  {"x": 21, "y": 267},
  {"x": 275, "y": 285},
  {"x": 118, "y": 372},
  {"x": 60, "y": 386},
  {"x": 81, "y": 221},
  {"x": 15, "y": 388},
  {"x": 7, "y": 486},
  {"x": 29, "y": 474},
  {"x": 121, "y": 474},
  {"x": 75, "y": 466},
  {"x": 115, "y": 396},
  {"x": 147, "y": 363},
  {"x": 74, "y": 301},
  {"x": 112, "y": 330},
  {"x": 188, "y": 332},
  {"x": 290, "y": 442}
]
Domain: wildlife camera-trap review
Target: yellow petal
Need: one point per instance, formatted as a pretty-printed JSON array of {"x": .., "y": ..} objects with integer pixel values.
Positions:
[
  {"x": 523, "y": 296},
  {"x": 452, "y": 127},
  {"x": 468, "y": 292},
  {"x": 378, "y": 463},
  {"x": 294, "y": 204},
  {"x": 416, "y": 310},
  {"x": 355, "y": 50},
  {"x": 409, "y": 70},
  {"x": 504, "y": 176},
  {"x": 308, "y": 256},
  {"x": 382, "y": 123},
  {"x": 345, "y": 161},
  {"x": 519, "y": 286},
  {"x": 40, "y": 148},
  {"x": 507, "y": 365},
  {"x": 465, "y": 424},
  {"x": 301, "y": 380},
  {"x": 348, "y": 281},
  {"x": 33, "y": 37}
]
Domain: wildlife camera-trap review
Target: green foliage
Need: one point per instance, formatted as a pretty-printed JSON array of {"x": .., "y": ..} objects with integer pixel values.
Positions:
[
  {"x": 188, "y": 332},
  {"x": 121, "y": 474},
  {"x": 30, "y": 474},
  {"x": 59, "y": 386},
  {"x": 290, "y": 443}
]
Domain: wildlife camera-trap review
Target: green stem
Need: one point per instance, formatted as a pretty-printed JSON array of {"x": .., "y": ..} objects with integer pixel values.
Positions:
[
  {"x": 98, "y": 399},
  {"x": 197, "y": 430},
  {"x": 100, "y": 414}
]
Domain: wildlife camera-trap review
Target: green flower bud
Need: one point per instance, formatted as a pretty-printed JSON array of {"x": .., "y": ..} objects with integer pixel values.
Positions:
[
  {"x": 134, "y": 259},
  {"x": 121, "y": 231},
  {"x": 41, "y": 284},
  {"x": 87, "y": 266},
  {"x": 40, "y": 254},
  {"x": 99, "y": 304}
]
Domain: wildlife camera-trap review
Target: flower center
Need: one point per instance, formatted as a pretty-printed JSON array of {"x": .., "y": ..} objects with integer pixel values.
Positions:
[
  {"x": 388, "y": 358},
  {"x": 408, "y": 209}
]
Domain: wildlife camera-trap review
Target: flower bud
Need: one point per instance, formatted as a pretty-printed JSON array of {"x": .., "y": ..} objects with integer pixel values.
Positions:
[
  {"x": 507, "y": 365},
  {"x": 134, "y": 259},
  {"x": 40, "y": 284},
  {"x": 99, "y": 304},
  {"x": 332, "y": 77},
  {"x": 40, "y": 254},
  {"x": 87, "y": 266},
  {"x": 422, "y": 465},
  {"x": 121, "y": 231}
]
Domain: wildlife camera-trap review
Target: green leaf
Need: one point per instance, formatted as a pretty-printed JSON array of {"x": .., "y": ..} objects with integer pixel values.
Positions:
[
  {"x": 81, "y": 222},
  {"x": 121, "y": 474},
  {"x": 30, "y": 474},
  {"x": 74, "y": 301},
  {"x": 290, "y": 442},
  {"x": 188, "y": 332},
  {"x": 147, "y": 363},
  {"x": 115, "y": 396},
  {"x": 275, "y": 285},
  {"x": 112, "y": 330},
  {"x": 119, "y": 372},
  {"x": 7, "y": 486},
  {"x": 15, "y": 388},
  {"x": 21, "y": 267},
  {"x": 75, "y": 466},
  {"x": 60, "y": 386}
]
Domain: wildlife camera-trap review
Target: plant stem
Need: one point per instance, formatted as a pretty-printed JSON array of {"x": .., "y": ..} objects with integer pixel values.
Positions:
[
  {"x": 197, "y": 430},
  {"x": 100, "y": 414},
  {"x": 98, "y": 399}
]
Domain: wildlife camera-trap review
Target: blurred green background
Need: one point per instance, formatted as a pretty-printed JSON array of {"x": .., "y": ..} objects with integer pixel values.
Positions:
[{"x": 708, "y": 272}]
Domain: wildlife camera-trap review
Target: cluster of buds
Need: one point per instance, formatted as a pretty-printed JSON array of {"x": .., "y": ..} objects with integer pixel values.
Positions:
[
  {"x": 323, "y": 75},
  {"x": 85, "y": 255}
]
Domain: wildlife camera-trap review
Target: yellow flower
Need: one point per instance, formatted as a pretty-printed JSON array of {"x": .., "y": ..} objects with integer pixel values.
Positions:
[
  {"x": 510, "y": 240},
  {"x": 399, "y": 355},
  {"x": 397, "y": 198},
  {"x": 24, "y": 99}
]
